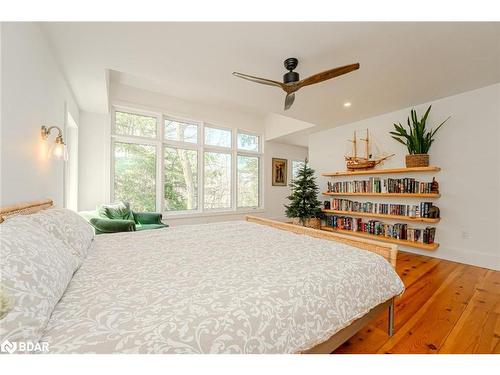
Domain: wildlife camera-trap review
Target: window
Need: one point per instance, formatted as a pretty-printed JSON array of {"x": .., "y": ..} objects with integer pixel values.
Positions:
[
  {"x": 135, "y": 175},
  {"x": 181, "y": 131},
  {"x": 136, "y": 125},
  {"x": 217, "y": 137},
  {"x": 217, "y": 168},
  {"x": 180, "y": 168},
  {"x": 183, "y": 167},
  {"x": 248, "y": 142},
  {"x": 296, "y": 167},
  {"x": 248, "y": 181}
]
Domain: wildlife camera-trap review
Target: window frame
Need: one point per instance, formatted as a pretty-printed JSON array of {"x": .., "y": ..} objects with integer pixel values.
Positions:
[
  {"x": 125, "y": 139},
  {"x": 259, "y": 141},
  {"x": 259, "y": 186},
  {"x": 132, "y": 112},
  {"x": 198, "y": 210},
  {"x": 160, "y": 143},
  {"x": 218, "y": 150},
  {"x": 211, "y": 126},
  {"x": 181, "y": 120}
]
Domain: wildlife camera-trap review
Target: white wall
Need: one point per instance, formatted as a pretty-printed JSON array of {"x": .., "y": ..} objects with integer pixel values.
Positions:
[
  {"x": 226, "y": 117},
  {"x": 95, "y": 140},
  {"x": 279, "y": 126},
  {"x": 34, "y": 93},
  {"x": 466, "y": 149},
  {"x": 276, "y": 196},
  {"x": 93, "y": 160}
]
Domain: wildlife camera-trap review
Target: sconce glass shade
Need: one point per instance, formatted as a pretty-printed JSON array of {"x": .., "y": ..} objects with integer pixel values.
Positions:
[{"x": 58, "y": 150}]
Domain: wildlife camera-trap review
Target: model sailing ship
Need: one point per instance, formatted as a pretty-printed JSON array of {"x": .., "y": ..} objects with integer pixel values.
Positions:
[{"x": 356, "y": 162}]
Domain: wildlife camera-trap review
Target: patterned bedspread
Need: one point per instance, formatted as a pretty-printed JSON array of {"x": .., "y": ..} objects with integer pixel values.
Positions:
[{"x": 232, "y": 287}]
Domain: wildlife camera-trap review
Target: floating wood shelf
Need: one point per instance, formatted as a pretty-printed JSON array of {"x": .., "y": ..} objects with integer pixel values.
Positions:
[
  {"x": 402, "y": 195},
  {"x": 384, "y": 216},
  {"x": 382, "y": 171},
  {"x": 418, "y": 245}
]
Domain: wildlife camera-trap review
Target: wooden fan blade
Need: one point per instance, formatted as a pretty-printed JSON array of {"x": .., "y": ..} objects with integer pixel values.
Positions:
[
  {"x": 326, "y": 75},
  {"x": 290, "y": 98},
  {"x": 262, "y": 81}
]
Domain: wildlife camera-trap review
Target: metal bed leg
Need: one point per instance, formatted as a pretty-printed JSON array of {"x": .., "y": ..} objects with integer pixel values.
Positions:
[{"x": 390, "y": 329}]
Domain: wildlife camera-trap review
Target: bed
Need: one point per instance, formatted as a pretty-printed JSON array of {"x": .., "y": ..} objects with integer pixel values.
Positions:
[{"x": 254, "y": 286}]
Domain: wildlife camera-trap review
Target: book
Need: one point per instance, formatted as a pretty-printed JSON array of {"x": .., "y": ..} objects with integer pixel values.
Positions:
[
  {"x": 377, "y": 185},
  {"x": 410, "y": 210},
  {"x": 400, "y": 231}
]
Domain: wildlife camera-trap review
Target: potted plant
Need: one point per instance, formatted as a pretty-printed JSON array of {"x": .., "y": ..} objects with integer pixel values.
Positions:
[
  {"x": 304, "y": 208},
  {"x": 418, "y": 141}
]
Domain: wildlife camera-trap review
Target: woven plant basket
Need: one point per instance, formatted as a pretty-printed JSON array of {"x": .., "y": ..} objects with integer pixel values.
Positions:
[
  {"x": 417, "y": 160},
  {"x": 310, "y": 223}
]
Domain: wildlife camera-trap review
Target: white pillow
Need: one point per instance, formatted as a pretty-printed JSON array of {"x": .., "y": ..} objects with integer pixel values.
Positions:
[
  {"x": 67, "y": 226},
  {"x": 35, "y": 269}
]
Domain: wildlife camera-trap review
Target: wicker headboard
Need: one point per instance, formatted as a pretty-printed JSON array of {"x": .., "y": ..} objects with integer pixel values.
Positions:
[{"x": 24, "y": 208}]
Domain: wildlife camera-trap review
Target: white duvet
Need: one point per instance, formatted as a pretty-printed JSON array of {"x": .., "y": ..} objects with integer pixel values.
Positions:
[{"x": 232, "y": 287}]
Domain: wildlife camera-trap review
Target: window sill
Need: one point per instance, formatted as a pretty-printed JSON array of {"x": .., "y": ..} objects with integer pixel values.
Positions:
[{"x": 189, "y": 215}]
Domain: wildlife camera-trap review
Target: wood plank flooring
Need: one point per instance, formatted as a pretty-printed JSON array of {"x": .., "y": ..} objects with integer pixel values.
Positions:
[{"x": 447, "y": 307}]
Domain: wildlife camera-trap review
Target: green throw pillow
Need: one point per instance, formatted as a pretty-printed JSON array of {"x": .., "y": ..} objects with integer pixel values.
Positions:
[{"x": 120, "y": 211}]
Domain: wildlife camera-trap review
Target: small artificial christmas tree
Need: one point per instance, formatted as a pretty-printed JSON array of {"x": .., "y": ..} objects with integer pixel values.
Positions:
[{"x": 304, "y": 203}]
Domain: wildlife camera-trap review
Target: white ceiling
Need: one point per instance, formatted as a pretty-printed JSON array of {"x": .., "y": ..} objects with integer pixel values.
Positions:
[{"x": 402, "y": 64}]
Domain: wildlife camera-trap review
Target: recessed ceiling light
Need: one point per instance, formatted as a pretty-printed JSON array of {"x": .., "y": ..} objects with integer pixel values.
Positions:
[{"x": 347, "y": 104}]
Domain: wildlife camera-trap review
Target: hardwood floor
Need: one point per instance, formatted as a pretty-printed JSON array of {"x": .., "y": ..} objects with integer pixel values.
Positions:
[{"x": 447, "y": 307}]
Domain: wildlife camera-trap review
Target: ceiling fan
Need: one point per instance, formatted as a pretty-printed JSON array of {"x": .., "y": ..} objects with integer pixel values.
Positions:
[{"x": 291, "y": 82}]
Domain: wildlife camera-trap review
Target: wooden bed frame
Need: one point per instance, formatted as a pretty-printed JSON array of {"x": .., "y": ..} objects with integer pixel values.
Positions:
[
  {"x": 24, "y": 208},
  {"x": 388, "y": 251}
]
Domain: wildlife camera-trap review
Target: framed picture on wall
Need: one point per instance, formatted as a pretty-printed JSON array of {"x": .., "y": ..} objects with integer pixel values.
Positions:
[{"x": 280, "y": 168}]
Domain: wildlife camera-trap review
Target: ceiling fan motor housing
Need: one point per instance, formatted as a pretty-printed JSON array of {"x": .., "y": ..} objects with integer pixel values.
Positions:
[
  {"x": 291, "y": 77},
  {"x": 291, "y": 64}
]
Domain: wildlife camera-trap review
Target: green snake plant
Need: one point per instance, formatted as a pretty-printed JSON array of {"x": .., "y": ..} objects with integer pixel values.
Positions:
[{"x": 418, "y": 140}]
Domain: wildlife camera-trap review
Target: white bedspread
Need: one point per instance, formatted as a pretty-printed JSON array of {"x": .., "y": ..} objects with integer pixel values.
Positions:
[{"x": 232, "y": 287}]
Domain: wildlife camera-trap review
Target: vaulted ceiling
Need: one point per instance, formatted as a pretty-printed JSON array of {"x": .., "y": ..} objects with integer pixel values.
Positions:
[{"x": 402, "y": 64}]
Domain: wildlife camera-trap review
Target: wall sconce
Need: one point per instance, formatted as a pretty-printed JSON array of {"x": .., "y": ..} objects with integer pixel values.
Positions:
[{"x": 58, "y": 149}]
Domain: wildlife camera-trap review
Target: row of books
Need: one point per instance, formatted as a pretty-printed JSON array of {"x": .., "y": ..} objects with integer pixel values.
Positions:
[
  {"x": 411, "y": 210},
  {"x": 399, "y": 231},
  {"x": 388, "y": 185}
]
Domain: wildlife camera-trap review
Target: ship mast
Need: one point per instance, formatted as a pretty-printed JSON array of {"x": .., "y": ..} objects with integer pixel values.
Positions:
[
  {"x": 367, "y": 146},
  {"x": 367, "y": 140},
  {"x": 354, "y": 144}
]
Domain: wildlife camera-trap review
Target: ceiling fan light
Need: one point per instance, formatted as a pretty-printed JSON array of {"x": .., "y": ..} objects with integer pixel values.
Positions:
[{"x": 347, "y": 104}]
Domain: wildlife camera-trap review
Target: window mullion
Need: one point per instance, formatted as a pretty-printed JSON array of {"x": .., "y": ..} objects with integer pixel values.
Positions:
[
  {"x": 178, "y": 144},
  {"x": 112, "y": 180},
  {"x": 261, "y": 184},
  {"x": 134, "y": 140},
  {"x": 201, "y": 168},
  {"x": 234, "y": 160},
  {"x": 160, "y": 177},
  {"x": 220, "y": 149},
  {"x": 234, "y": 180}
]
